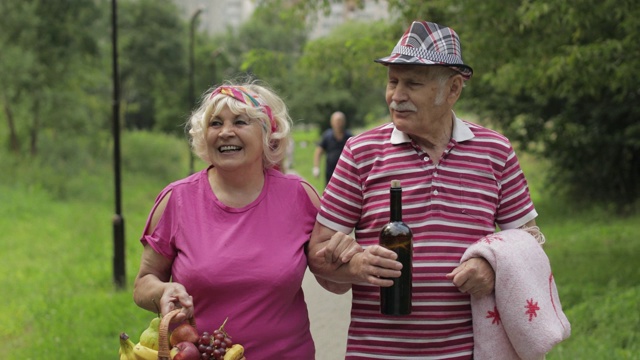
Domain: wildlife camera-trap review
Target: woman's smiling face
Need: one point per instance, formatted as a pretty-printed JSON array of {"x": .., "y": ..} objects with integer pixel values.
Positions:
[{"x": 234, "y": 140}]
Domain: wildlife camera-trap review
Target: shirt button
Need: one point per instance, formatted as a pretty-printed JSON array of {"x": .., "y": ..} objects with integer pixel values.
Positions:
[
  {"x": 435, "y": 174},
  {"x": 435, "y": 192},
  {"x": 426, "y": 158}
]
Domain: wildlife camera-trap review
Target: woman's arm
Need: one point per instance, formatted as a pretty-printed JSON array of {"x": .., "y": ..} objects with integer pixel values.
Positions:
[
  {"x": 153, "y": 289},
  {"x": 334, "y": 287}
]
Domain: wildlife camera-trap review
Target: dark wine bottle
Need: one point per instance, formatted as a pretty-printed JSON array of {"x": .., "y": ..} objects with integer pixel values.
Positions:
[{"x": 397, "y": 236}]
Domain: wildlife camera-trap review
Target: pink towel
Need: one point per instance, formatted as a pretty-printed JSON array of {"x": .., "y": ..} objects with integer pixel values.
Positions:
[{"x": 523, "y": 318}]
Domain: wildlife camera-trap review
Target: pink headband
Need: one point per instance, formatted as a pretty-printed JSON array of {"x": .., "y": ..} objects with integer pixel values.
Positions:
[{"x": 241, "y": 94}]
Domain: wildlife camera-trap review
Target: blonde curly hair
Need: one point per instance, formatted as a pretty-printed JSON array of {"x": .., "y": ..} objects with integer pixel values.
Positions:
[{"x": 275, "y": 143}]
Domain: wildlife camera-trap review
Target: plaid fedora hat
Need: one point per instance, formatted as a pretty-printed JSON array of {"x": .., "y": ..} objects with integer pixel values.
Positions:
[{"x": 426, "y": 43}]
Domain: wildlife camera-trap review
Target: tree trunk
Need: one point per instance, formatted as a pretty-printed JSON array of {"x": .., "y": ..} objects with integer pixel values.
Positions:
[
  {"x": 14, "y": 141},
  {"x": 33, "y": 132}
]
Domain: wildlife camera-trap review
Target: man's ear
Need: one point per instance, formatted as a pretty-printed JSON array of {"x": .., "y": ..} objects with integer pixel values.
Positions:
[{"x": 456, "y": 83}]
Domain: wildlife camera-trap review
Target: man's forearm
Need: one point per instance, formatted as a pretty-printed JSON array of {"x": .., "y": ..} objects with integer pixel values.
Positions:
[{"x": 317, "y": 155}]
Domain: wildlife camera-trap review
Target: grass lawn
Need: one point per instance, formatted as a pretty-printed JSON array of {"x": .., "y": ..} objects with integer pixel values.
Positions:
[{"x": 57, "y": 248}]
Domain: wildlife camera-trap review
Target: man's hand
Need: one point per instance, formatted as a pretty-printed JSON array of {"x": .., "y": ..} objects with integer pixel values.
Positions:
[
  {"x": 337, "y": 257},
  {"x": 315, "y": 172},
  {"x": 376, "y": 265},
  {"x": 474, "y": 277}
]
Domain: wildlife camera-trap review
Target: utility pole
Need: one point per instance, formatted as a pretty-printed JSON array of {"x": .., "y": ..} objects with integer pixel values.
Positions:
[{"x": 118, "y": 220}]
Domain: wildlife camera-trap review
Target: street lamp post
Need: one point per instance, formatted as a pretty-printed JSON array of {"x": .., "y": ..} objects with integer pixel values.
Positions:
[
  {"x": 118, "y": 219},
  {"x": 192, "y": 75}
]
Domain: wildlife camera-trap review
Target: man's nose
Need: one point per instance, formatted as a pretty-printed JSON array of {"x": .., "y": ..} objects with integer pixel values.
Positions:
[{"x": 399, "y": 94}]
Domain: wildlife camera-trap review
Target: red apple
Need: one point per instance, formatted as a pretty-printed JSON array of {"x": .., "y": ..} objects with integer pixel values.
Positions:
[
  {"x": 184, "y": 332},
  {"x": 185, "y": 350}
]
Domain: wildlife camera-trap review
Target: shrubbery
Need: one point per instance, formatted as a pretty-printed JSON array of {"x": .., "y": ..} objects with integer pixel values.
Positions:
[{"x": 65, "y": 166}]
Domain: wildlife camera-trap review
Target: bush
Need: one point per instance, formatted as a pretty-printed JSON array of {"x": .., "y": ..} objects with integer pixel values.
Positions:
[
  {"x": 63, "y": 167},
  {"x": 154, "y": 154}
]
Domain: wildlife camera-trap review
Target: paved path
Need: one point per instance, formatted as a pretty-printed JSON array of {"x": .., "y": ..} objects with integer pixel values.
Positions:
[{"x": 329, "y": 316}]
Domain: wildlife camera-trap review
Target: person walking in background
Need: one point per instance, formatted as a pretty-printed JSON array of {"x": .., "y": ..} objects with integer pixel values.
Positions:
[
  {"x": 459, "y": 180},
  {"x": 230, "y": 240},
  {"x": 331, "y": 145}
]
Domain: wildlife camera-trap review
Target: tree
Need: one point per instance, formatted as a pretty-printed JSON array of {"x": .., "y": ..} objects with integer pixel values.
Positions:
[
  {"x": 153, "y": 57},
  {"x": 339, "y": 73},
  {"x": 558, "y": 77},
  {"x": 271, "y": 42},
  {"x": 47, "y": 48},
  {"x": 561, "y": 78},
  {"x": 273, "y": 47}
]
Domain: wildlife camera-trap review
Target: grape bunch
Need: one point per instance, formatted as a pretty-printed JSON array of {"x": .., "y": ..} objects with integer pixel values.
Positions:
[{"x": 214, "y": 346}]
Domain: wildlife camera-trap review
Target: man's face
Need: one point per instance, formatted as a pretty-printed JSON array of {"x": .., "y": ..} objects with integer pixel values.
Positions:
[
  {"x": 337, "y": 122},
  {"x": 415, "y": 99}
]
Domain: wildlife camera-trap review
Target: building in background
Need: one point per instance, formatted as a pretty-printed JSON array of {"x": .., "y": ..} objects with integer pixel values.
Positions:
[
  {"x": 348, "y": 10},
  {"x": 218, "y": 15}
]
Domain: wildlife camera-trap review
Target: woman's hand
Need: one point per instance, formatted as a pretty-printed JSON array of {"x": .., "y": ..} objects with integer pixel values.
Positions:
[
  {"x": 339, "y": 249},
  {"x": 175, "y": 296}
]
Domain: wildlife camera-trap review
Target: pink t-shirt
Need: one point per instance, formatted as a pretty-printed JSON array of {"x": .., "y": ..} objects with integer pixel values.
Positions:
[
  {"x": 246, "y": 263},
  {"x": 477, "y": 184}
]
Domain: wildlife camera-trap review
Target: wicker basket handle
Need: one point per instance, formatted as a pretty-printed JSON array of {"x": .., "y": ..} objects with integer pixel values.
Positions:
[{"x": 164, "y": 347}]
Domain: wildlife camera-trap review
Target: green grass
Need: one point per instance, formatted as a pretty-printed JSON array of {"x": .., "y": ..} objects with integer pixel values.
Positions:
[{"x": 57, "y": 248}]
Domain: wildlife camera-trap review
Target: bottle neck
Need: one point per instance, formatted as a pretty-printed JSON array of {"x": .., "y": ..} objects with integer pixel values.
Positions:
[{"x": 396, "y": 204}]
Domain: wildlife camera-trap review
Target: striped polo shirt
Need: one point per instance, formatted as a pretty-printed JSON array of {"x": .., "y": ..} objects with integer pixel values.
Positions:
[{"x": 477, "y": 185}]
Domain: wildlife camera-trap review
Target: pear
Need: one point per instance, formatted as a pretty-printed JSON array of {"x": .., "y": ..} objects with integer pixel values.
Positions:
[{"x": 149, "y": 336}]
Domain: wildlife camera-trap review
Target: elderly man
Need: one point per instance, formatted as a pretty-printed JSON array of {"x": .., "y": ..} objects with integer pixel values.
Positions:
[{"x": 459, "y": 181}]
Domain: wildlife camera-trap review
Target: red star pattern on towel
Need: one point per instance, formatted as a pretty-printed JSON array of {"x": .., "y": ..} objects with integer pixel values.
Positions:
[
  {"x": 532, "y": 309},
  {"x": 491, "y": 238},
  {"x": 494, "y": 315}
]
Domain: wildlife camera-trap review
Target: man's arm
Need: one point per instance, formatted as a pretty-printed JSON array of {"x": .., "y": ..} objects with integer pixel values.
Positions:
[
  {"x": 317, "y": 155},
  {"x": 476, "y": 276},
  {"x": 534, "y": 231},
  {"x": 530, "y": 223},
  {"x": 333, "y": 257}
]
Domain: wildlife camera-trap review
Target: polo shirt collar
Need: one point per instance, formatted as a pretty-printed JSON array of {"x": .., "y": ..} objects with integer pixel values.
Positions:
[{"x": 461, "y": 132}]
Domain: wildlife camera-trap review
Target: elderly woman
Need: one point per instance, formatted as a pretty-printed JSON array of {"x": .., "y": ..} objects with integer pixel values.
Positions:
[{"x": 230, "y": 240}]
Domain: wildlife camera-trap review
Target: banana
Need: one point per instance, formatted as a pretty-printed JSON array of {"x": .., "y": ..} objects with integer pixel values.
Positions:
[
  {"x": 126, "y": 348},
  {"x": 144, "y": 353},
  {"x": 235, "y": 352}
]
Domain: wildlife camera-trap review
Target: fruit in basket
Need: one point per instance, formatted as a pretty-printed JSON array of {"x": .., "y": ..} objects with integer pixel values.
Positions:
[
  {"x": 149, "y": 336},
  {"x": 185, "y": 350},
  {"x": 144, "y": 353},
  {"x": 235, "y": 352},
  {"x": 126, "y": 348},
  {"x": 184, "y": 332},
  {"x": 216, "y": 345}
]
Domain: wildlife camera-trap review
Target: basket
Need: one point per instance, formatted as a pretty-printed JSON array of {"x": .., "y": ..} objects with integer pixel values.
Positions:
[{"x": 164, "y": 348}]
